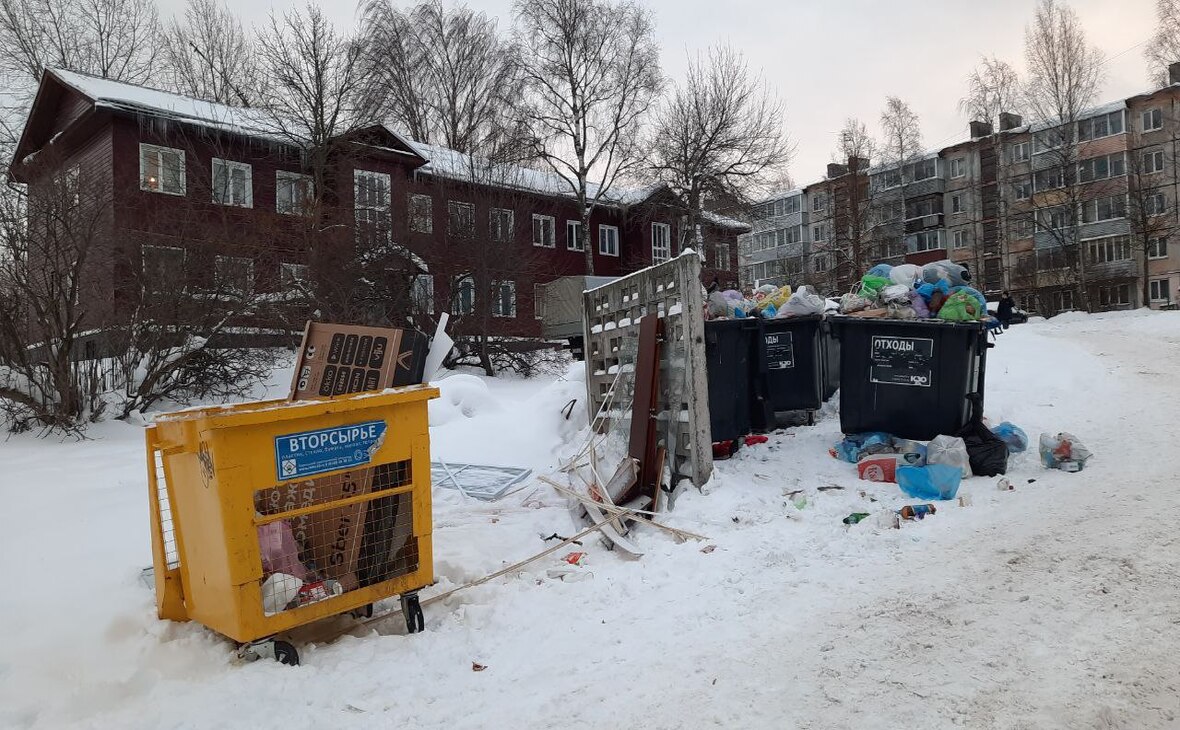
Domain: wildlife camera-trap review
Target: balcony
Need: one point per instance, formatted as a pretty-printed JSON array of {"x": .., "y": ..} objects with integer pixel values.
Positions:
[{"x": 930, "y": 240}]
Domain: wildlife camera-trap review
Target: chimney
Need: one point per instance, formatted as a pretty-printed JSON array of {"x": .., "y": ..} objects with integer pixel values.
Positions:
[
  {"x": 835, "y": 170},
  {"x": 1009, "y": 121},
  {"x": 858, "y": 164},
  {"x": 1174, "y": 73},
  {"x": 980, "y": 129}
]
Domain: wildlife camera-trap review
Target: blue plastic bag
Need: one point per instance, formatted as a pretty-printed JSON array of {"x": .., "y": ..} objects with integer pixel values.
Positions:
[
  {"x": 927, "y": 290},
  {"x": 856, "y": 445},
  {"x": 933, "y": 481},
  {"x": 1012, "y": 435},
  {"x": 880, "y": 270}
]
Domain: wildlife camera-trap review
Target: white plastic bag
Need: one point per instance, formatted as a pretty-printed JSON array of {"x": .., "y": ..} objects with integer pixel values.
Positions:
[
  {"x": 950, "y": 450},
  {"x": 906, "y": 274},
  {"x": 803, "y": 301}
]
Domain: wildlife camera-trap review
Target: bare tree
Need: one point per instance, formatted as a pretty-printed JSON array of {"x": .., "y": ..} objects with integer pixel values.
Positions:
[
  {"x": 1064, "y": 76},
  {"x": 117, "y": 39},
  {"x": 719, "y": 135},
  {"x": 901, "y": 132},
  {"x": 320, "y": 88},
  {"x": 450, "y": 77},
  {"x": 1163, "y": 49},
  {"x": 592, "y": 72},
  {"x": 847, "y": 213},
  {"x": 209, "y": 56},
  {"x": 993, "y": 87}
]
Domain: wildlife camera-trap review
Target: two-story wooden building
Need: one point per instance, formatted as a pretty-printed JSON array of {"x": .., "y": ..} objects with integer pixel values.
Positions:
[{"x": 208, "y": 199}]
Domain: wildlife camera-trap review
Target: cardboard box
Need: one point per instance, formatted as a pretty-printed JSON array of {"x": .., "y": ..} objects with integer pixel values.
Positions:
[{"x": 336, "y": 360}]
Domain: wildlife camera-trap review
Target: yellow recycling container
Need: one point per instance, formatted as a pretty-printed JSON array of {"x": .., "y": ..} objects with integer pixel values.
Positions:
[{"x": 270, "y": 515}]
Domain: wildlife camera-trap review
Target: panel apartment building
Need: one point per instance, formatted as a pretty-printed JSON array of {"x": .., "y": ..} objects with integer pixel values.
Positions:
[
  {"x": 208, "y": 201},
  {"x": 1049, "y": 213}
]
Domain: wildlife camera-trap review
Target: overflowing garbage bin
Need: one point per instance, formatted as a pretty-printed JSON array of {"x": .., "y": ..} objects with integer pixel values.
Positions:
[
  {"x": 730, "y": 349},
  {"x": 914, "y": 379},
  {"x": 269, "y": 515}
]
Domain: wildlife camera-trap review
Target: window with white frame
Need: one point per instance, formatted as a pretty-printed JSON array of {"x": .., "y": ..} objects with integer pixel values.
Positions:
[
  {"x": 502, "y": 222},
  {"x": 1102, "y": 168},
  {"x": 161, "y": 169},
  {"x": 819, "y": 202},
  {"x": 1050, "y": 179},
  {"x": 1023, "y": 227},
  {"x": 792, "y": 204},
  {"x": 573, "y": 236},
  {"x": 721, "y": 256},
  {"x": 464, "y": 296},
  {"x": 422, "y": 294},
  {"x": 962, "y": 239},
  {"x": 1022, "y": 190},
  {"x": 1155, "y": 204},
  {"x": 927, "y": 240},
  {"x": 293, "y": 193},
  {"x": 819, "y": 232},
  {"x": 1157, "y": 247},
  {"x": 1020, "y": 152},
  {"x": 1052, "y": 219},
  {"x": 1159, "y": 290},
  {"x": 371, "y": 207},
  {"x": 1063, "y": 300},
  {"x": 1048, "y": 139},
  {"x": 163, "y": 267},
  {"x": 460, "y": 219},
  {"x": 958, "y": 167},
  {"x": 293, "y": 277},
  {"x": 608, "y": 240},
  {"x": 1113, "y": 296},
  {"x": 887, "y": 179},
  {"x": 1109, "y": 250},
  {"x": 421, "y": 213},
  {"x": 503, "y": 298},
  {"x": 821, "y": 262},
  {"x": 1151, "y": 120},
  {"x": 543, "y": 233},
  {"x": 232, "y": 183},
  {"x": 1105, "y": 209},
  {"x": 661, "y": 242},
  {"x": 1103, "y": 125},
  {"x": 233, "y": 275},
  {"x": 539, "y": 301},
  {"x": 1153, "y": 162},
  {"x": 956, "y": 203}
]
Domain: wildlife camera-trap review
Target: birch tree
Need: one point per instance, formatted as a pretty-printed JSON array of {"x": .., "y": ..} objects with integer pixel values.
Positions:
[
  {"x": 1163, "y": 48},
  {"x": 993, "y": 87},
  {"x": 209, "y": 56},
  {"x": 1064, "y": 76},
  {"x": 718, "y": 135},
  {"x": 591, "y": 69}
]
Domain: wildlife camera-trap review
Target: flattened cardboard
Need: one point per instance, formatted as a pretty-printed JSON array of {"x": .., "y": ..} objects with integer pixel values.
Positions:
[
  {"x": 331, "y": 539},
  {"x": 336, "y": 360}
]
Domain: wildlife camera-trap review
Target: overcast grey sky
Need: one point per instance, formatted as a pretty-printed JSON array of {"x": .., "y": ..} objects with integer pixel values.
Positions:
[{"x": 833, "y": 59}]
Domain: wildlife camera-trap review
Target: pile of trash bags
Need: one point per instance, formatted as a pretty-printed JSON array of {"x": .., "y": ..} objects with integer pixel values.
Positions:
[
  {"x": 938, "y": 290},
  {"x": 767, "y": 301},
  {"x": 933, "y": 470}
]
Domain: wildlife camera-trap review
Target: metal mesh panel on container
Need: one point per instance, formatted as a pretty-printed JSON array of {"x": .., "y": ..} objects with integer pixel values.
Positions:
[{"x": 345, "y": 535}]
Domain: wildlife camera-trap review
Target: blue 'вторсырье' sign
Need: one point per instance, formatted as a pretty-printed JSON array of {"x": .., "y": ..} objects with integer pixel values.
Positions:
[{"x": 304, "y": 454}]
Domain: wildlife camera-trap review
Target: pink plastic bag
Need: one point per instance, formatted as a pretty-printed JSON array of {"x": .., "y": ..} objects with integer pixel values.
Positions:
[{"x": 280, "y": 552}]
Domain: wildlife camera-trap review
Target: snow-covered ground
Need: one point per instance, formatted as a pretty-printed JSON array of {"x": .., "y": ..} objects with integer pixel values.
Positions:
[{"x": 1051, "y": 606}]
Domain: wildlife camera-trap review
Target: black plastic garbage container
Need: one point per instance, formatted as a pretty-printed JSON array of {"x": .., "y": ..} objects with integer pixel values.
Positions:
[
  {"x": 913, "y": 379},
  {"x": 791, "y": 354},
  {"x": 728, "y": 348}
]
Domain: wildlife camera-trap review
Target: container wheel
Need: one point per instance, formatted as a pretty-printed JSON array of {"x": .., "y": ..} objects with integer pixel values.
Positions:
[
  {"x": 281, "y": 651},
  {"x": 285, "y": 653},
  {"x": 412, "y": 611}
]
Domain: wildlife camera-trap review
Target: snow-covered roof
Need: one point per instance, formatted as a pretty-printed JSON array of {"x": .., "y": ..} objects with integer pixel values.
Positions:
[
  {"x": 448, "y": 163},
  {"x": 725, "y": 222},
  {"x": 112, "y": 94}
]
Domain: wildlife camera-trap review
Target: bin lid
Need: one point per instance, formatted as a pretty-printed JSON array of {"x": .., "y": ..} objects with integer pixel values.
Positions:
[
  {"x": 281, "y": 409},
  {"x": 847, "y": 319}
]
